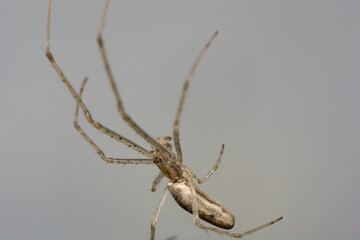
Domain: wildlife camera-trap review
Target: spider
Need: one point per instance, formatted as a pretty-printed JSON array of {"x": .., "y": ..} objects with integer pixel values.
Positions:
[{"x": 181, "y": 178}]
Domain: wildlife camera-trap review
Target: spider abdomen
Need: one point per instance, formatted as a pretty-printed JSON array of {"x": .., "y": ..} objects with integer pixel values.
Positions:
[{"x": 209, "y": 209}]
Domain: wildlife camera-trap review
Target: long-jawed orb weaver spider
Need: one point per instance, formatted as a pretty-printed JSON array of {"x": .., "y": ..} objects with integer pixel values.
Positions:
[{"x": 181, "y": 178}]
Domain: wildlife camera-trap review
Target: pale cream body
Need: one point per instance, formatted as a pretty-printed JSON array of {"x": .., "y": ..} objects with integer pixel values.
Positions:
[{"x": 209, "y": 209}]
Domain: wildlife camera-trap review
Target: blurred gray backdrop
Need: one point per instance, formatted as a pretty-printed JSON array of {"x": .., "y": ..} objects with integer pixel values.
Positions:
[{"x": 279, "y": 87}]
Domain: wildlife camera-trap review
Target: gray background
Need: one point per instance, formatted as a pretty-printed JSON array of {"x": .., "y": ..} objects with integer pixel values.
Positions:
[{"x": 279, "y": 87}]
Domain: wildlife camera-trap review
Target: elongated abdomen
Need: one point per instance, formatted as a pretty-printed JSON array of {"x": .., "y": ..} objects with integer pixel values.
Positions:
[{"x": 209, "y": 209}]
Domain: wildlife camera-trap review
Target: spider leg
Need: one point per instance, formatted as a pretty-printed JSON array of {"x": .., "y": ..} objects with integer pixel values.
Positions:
[
  {"x": 217, "y": 164},
  {"x": 93, "y": 144},
  {"x": 156, "y": 216},
  {"x": 217, "y": 230},
  {"x": 182, "y": 99},
  {"x": 235, "y": 235},
  {"x": 157, "y": 181},
  {"x": 120, "y": 106},
  {"x": 87, "y": 114}
]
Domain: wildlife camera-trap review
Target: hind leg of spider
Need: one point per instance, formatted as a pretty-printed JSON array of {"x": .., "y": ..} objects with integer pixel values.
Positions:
[
  {"x": 93, "y": 144},
  {"x": 182, "y": 99},
  {"x": 235, "y": 235},
  {"x": 217, "y": 230},
  {"x": 120, "y": 106},
  {"x": 156, "y": 216}
]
